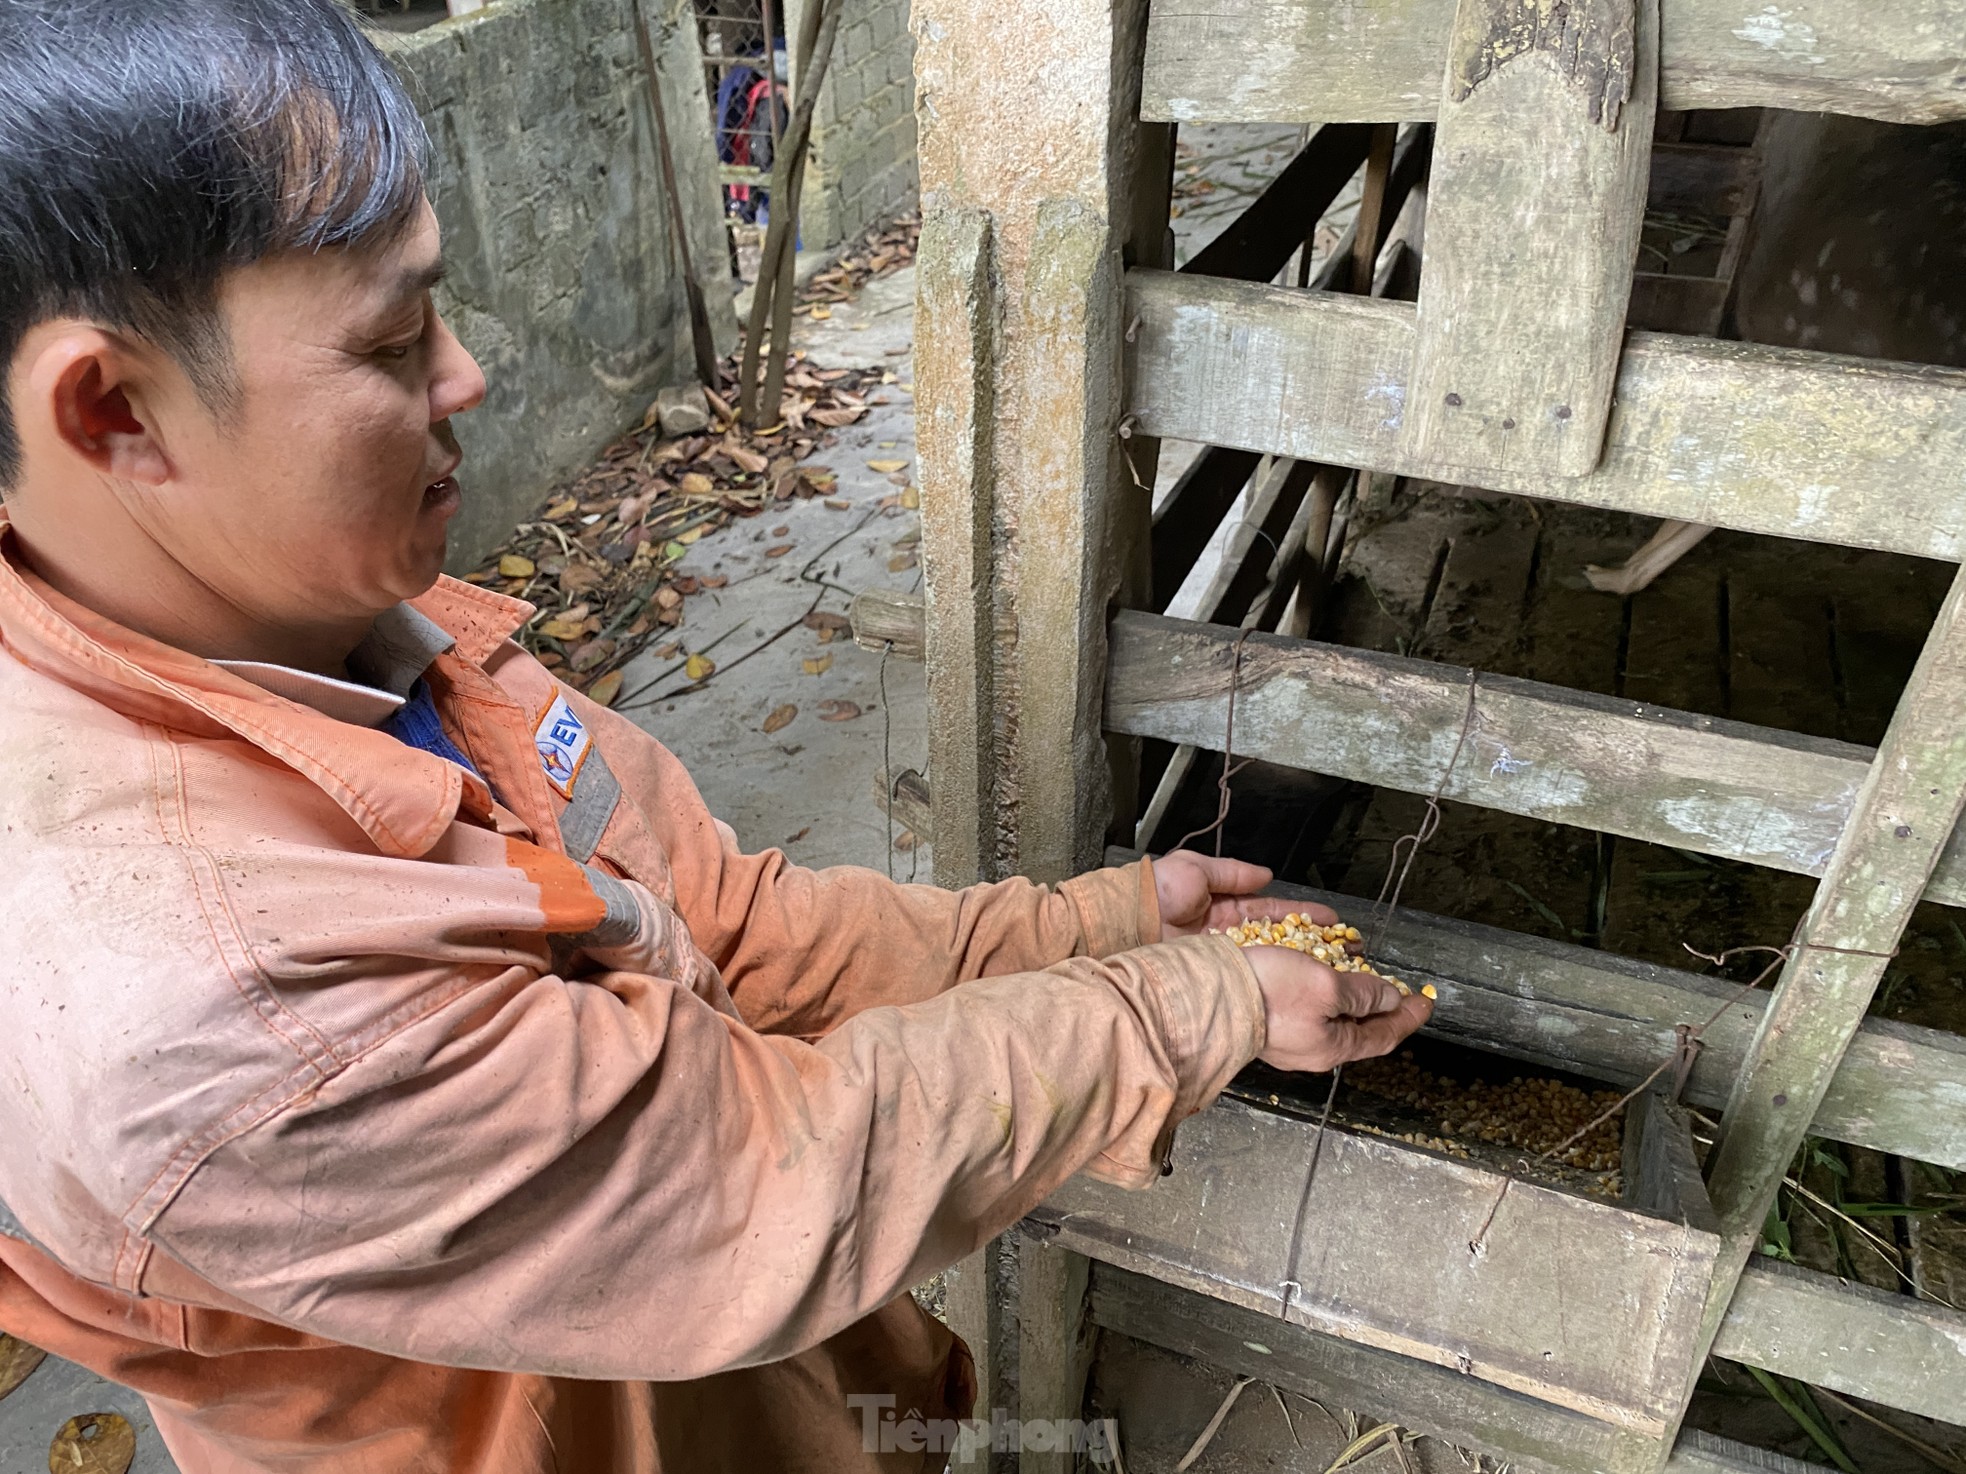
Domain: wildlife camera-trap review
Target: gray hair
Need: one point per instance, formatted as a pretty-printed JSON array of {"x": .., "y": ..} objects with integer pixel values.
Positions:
[{"x": 148, "y": 146}]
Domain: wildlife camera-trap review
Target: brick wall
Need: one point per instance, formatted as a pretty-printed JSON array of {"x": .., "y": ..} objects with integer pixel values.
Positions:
[{"x": 862, "y": 166}]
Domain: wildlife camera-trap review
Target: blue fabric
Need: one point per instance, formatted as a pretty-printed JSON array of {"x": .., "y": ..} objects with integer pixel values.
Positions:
[{"x": 416, "y": 724}]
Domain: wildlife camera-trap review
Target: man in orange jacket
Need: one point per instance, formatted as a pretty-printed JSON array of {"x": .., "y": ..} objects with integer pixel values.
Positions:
[{"x": 379, "y": 1095}]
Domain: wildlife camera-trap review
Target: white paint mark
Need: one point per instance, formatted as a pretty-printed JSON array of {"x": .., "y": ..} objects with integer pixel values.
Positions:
[
  {"x": 1778, "y": 31},
  {"x": 1258, "y": 1347},
  {"x": 1393, "y": 394},
  {"x": 1507, "y": 762},
  {"x": 1812, "y": 502}
]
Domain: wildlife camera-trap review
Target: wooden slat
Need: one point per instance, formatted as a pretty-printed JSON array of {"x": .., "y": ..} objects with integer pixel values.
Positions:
[
  {"x": 1724, "y": 788},
  {"x": 1900, "y": 1088},
  {"x": 1470, "y": 1414},
  {"x": 1677, "y": 304},
  {"x": 1907, "y": 809},
  {"x": 1539, "y": 180},
  {"x": 1766, "y": 440},
  {"x": 1256, "y": 244},
  {"x": 1579, "y": 1302},
  {"x": 1327, "y": 61},
  {"x": 1506, "y": 1426},
  {"x": 889, "y": 621},
  {"x": 1194, "y": 508},
  {"x": 1904, "y": 1353},
  {"x": 1702, "y": 178}
]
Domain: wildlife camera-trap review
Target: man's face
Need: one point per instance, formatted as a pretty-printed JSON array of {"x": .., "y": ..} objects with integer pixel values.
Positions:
[{"x": 326, "y": 491}]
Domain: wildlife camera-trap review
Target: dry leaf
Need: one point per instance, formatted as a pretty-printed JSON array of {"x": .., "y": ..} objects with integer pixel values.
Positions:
[
  {"x": 514, "y": 566},
  {"x": 581, "y": 578},
  {"x": 911, "y": 497},
  {"x": 818, "y": 311},
  {"x": 747, "y": 460},
  {"x": 780, "y": 718},
  {"x": 886, "y": 467},
  {"x": 905, "y": 841},
  {"x": 17, "y": 1362},
  {"x": 695, "y": 483},
  {"x": 714, "y": 580},
  {"x": 95, "y": 1443},
  {"x": 696, "y": 532},
  {"x": 902, "y": 562},
  {"x": 699, "y": 667},
  {"x": 818, "y": 665},
  {"x": 836, "y": 419},
  {"x": 667, "y": 652},
  {"x": 561, "y": 510},
  {"x": 823, "y": 619},
  {"x": 668, "y": 597},
  {"x": 606, "y": 688},
  {"x": 838, "y": 504},
  {"x": 593, "y": 653},
  {"x": 778, "y": 552},
  {"x": 795, "y": 838},
  {"x": 561, "y": 628},
  {"x": 837, "y": 711}
]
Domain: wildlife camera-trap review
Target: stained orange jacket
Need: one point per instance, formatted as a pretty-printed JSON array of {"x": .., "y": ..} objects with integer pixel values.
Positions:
[{"x": 367, "y": 1115}]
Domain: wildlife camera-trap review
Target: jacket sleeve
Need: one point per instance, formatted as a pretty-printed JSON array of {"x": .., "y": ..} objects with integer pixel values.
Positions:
[
  {"x": 610, "y": 1178},
  {"x": 801, "y": 949}
]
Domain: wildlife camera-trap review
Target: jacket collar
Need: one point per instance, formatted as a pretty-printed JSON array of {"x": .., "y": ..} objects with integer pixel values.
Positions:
[{"x": 404, "y": 799}]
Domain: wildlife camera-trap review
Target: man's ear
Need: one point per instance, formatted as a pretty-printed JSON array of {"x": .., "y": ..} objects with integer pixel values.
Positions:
[{"x": 98, "y": 390}]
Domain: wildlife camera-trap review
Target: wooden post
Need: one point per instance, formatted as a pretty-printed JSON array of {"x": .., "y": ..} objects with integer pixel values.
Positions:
[
  {"x": 1019, "y": 634},
  {"x": 1541, "y": 159},
  {"x": 1904, "y": 816},
  {"x": 1054, "y": 1353}
]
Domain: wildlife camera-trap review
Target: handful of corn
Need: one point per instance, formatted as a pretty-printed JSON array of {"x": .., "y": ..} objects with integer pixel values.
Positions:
[{"x": 1327, "y": 944}]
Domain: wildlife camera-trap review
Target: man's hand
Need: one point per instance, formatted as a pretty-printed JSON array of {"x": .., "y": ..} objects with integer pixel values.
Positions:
[
  {"x": 1318, "y": 1019},
  {"x": 1198, "y": 893}
]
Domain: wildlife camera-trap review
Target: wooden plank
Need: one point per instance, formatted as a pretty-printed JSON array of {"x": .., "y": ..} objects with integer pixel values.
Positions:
[
  {"x": 1899, "y": 1088},
  {"x": 889, "y": 621},
  {"x": 973, "y": 1302},
  {"x": 1194, "y": 507},
  {"x": 1702, "y": 178},
  {"x": 955, "y": 350},
  {"x": 1572, "y": 1300},
  {"x": 1326, "y": 61},
  {"x": 1054, "y": 1345},
  {"x": 1506, "y": 1426},
  {"x": 1905, "y": 1353},
  {"x": 1572, "y": 757},
  {"x": 1768, "y": 440},
  {"x": 1677, "y": 304},
  {"x": 1540, "y": 169},
  {"x": 1256, "y": 244},
  {"x": 1908, "y": 807}
]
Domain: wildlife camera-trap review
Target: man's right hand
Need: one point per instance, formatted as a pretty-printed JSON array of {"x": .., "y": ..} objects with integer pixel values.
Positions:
[{"x": 1317, "y": 1019}]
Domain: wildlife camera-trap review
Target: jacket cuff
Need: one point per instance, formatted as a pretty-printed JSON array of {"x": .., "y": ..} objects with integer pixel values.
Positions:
[
  {"x": 1117, "y": 908},
  {"x": 1211, "y": 1009}
]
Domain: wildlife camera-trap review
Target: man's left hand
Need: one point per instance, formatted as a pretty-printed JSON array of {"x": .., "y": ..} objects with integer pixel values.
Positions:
[{"x": 1200, "y": 893}]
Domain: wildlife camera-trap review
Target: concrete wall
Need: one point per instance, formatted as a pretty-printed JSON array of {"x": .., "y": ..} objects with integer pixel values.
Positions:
[
  {"x": 564, "y": 278},
  {"x": 862, "y": 166}
]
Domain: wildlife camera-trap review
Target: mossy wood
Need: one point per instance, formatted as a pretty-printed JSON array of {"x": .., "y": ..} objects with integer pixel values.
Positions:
[
  {"x": 1333, "y": 61},
  {"x": 1770, "y": 440},
  {"x": 1667, "y": 777},
  {"x": 1584, "y": 1303}
]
